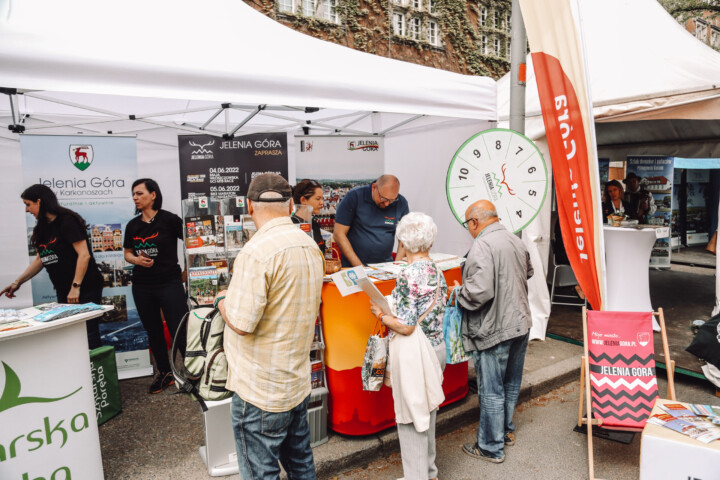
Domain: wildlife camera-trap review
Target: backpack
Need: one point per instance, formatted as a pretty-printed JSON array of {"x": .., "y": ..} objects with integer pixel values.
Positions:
[{"x": 205, "y": 368}]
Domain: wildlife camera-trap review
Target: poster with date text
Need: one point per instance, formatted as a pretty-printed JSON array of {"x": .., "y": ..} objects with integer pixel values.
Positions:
[{"x": 215, "y": 167}]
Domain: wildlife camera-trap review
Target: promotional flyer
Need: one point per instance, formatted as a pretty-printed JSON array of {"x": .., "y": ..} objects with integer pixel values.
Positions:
[{"x": 93, "y": 175}]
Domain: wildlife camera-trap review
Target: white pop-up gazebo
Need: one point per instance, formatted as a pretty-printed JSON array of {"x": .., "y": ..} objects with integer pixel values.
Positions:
[
  {"x": 655, "y": 88},
  {"x": 163, "y": 68}
]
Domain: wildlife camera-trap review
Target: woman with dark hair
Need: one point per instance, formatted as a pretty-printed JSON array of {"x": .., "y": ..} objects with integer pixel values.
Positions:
[
  {"x": 309, "y": 192},
  {"x": 615, "y": 203},
  {"x": 151, "y": 245},
  {"x": 61, "y": 240}
]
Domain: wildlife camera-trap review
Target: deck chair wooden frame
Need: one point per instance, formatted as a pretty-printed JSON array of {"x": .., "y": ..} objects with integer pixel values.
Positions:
[{"x": 585, "y": 390}]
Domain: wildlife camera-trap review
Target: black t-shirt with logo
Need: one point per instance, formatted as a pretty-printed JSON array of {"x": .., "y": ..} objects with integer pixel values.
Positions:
[
  {"x": 158, "y": 239},
  {"x": 59, "y": 257}
]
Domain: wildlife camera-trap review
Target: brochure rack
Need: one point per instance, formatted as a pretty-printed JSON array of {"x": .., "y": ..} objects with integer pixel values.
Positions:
[{"x": 318, "y": 406}]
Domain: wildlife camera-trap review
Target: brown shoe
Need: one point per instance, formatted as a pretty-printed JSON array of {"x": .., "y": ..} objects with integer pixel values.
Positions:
[{"x": 509, "y": 439}]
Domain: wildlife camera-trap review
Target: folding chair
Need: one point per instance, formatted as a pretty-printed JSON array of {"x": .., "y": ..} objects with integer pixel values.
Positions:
[{"x": 618, "y": 371}]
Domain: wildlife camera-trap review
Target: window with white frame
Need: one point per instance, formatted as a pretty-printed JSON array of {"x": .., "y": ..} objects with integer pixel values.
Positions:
[
  {"x": 400, "y": 2},
  {"x": 308, "y": 8},
  {"x": 701, "y": 30},
  {"x": 496, "y": 46},
  {"x": 714, "y": 37},
  {"x": 415, "y": 28},
  {"x": 507, "y": 21},
  {"x": 431, "y": 6},
  {"x": 498, "y": 20},
  {"x": 417, "y": 4},
  {"x": 399, "y": 24},
  {"x": 507, "y": 49},
  {"x": 286, "y": 6},
  {"x": 483, "y": 44},
  {"x": 483, "y": 16},
  {"x": 433, "y": 33},
  {"x": 329, "y": 10}
]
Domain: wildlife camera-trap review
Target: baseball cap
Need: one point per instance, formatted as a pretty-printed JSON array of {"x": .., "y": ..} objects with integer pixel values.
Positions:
[{"x": 269, "y": 182}]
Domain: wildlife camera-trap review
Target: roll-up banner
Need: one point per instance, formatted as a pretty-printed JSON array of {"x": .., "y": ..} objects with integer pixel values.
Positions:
[
  {"x": 219, "y": 168},
  {"x": 92, "y": 175},
  {"x": 559, "y": 62}
]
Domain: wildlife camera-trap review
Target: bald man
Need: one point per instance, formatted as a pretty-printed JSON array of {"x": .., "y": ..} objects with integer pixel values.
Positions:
[
  {"x": 366, "y": 220},
  {"x": 496, "y": 325}
]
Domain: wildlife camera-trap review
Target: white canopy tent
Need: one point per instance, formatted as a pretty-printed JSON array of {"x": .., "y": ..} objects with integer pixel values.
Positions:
[
  {"x": 655, "y": 90},
  {"x": 163, "y": 68}
]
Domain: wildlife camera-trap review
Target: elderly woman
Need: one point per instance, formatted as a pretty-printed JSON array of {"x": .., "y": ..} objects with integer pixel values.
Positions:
[{"x": 417, "y": 355}]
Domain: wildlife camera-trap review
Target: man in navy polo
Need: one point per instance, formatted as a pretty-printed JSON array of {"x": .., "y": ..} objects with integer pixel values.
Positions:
[{"x": 365, "y": 222}]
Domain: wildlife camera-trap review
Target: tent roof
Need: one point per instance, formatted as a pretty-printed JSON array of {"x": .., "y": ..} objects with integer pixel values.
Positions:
[
  {"x": 183, "y": 56},
  {"x": 642, "y": 64}
]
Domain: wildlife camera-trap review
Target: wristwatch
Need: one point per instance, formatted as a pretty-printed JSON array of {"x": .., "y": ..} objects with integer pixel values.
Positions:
[{"x": 76, "y": 285}]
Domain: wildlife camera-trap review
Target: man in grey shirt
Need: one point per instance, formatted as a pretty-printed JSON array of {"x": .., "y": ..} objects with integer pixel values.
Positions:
[{"x": 496, "y": 325}]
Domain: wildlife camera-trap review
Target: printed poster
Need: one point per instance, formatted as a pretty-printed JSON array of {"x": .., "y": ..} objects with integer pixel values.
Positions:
[
  {"x": 213, "y": 167},
  {"x": 92, "y": 175},
  {"x": 656, "y": 177}
]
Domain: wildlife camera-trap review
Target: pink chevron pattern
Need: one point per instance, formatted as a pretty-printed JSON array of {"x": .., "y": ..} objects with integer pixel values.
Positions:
[{"x": 622, "y": 367}]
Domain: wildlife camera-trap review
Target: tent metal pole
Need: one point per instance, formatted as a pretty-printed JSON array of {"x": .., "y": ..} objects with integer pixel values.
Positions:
[
  {"x": 212, "y": 117},
  {"x": 177, "y": 112},
  {"x": 77, "y": 105},
  {"x": 518, "y": 58},
  {"x": 183, "y": 126},
  {"x": 397, "y": 125},
  {"x": 257, "y": 110},
  {"x": 70, "y": 124},
  {"x": 367, "y": 114}
]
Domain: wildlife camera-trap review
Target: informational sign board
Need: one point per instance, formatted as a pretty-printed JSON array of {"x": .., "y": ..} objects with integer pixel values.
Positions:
[
  {"x": 93, "y": 175},
  {"x": 217, "y": 168}
]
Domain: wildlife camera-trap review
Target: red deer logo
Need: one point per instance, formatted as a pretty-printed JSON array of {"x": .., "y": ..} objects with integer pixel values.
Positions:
[
  {"x": 144, "y": 240},
  {"x": 81, "y": 156},
  {"x": 201, "y": 147},
  {"x": 45, "y": 245},
  {"x": 504, "y": 167}
]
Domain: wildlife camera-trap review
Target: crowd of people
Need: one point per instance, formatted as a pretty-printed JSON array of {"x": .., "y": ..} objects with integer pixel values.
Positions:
[
  {"x": 272, "y": 302},
  {"x": 273, "y": 298}
]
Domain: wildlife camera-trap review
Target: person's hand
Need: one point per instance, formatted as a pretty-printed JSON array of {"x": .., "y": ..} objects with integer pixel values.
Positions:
[
  {"x": 74, "y": 295},
  {"x": 10, "y": 290},
  {"x": 220, "y": 294},
  {"x": 452, "y": 287},
  {"x": 375, "y": 310},
  {"x": 144, "y": 260}
]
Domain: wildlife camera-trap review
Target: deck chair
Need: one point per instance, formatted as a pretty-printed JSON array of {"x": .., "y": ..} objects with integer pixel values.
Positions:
[{"x": 617, "y": 374}]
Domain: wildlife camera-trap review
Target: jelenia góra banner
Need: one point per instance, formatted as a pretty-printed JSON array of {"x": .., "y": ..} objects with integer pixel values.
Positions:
[{"x": 558, "y": 60}]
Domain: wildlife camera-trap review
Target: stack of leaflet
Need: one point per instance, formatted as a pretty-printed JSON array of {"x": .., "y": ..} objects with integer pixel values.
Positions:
[
  {"x": 56, "y": 311},
  {"x": 701, "y": 422}
]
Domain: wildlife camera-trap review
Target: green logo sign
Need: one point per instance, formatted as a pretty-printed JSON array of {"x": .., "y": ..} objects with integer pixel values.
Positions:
[{"x": 11, "y": 393}]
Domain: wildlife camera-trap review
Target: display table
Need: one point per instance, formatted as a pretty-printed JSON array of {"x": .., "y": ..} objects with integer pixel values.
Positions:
[
  {"x": 627, "y": 254},
  {"x": 47, "y": 408},
  {"x": 347, "y": 325},
  {"x": 665, "y": 453}
]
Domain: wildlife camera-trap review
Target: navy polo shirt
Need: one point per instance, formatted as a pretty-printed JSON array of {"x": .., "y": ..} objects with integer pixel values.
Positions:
[{"x": 372, "y": 229}]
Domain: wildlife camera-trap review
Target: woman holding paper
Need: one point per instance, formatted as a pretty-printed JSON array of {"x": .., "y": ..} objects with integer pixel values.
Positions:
[
  {"x": 417, "y": 355},
  {"x": 61, "y": 240},
  {"x": 151, "y": 245}
]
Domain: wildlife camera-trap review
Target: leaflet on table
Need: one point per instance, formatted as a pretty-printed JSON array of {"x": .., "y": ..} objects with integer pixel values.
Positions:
[
  {"x": 391, "y": 267},
  {"x": 686, "y": 428},
  {"x": 200, "y": 234},
  {"x": 677, "y": 409},
  {"x": 55, "y": 311},
  {"x": 8, "y": 315},
  {"x": 203, "y": 284}
]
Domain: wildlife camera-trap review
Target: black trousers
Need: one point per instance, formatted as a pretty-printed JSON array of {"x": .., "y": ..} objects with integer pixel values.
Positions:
[
  {"x": 92, "y": 326},
  {"x": 172, "y": 300}
]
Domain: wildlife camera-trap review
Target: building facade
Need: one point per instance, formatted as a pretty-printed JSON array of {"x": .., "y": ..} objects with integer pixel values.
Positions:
[{"x": 464, "y": 36}]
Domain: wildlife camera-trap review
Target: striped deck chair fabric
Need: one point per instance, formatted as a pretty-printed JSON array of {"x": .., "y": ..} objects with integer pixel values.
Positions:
[{"x": 622, "y": 367}]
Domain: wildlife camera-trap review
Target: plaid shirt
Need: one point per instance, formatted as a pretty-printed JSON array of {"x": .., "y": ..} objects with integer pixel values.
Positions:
[{"x": 274, "y": 295}]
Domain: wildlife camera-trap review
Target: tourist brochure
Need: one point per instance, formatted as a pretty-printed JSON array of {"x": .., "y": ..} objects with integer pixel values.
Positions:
[
  {"x": 677, "y": 409},
  {"x": 346, "y": 280},
  {"x": 56, "y": 311},
  {"x": 234, "y": 235},
  {"x": 203, "y": 284},
  {"x": 382, "y": 275},
  {"x": 702, "y": 433},
  {"x": 200, "y": 234}
]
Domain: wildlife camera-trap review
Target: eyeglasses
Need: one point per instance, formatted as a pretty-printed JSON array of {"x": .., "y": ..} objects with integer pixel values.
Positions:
[
  {"x": 467, "y": 222},
  {"x": 384, "y": 199}
]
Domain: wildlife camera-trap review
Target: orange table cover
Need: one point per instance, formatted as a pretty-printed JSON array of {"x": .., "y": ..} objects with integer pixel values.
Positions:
[{"x": 347, "y": 325}]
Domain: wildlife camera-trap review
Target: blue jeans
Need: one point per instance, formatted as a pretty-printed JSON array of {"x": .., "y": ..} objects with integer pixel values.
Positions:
[
  {"x": 499, "y": 375},
  {"x": 262, "y": 438}
]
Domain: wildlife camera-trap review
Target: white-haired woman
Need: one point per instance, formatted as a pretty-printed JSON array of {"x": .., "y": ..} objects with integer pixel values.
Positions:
[{"x": 417, "y": 356}]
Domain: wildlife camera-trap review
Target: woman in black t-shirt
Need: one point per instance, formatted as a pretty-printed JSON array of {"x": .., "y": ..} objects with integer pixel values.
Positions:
[
  {"x": 309, "y": 192},
  {"x": 61, "y": 240},
  {"x": 151, "y": 245}
]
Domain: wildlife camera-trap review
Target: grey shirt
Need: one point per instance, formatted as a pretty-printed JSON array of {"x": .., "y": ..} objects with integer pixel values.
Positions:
[{"x": 494, "y": 293}]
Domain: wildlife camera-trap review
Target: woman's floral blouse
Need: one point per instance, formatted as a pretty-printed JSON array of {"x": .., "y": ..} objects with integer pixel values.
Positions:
[{"x": 414, "y": 291}]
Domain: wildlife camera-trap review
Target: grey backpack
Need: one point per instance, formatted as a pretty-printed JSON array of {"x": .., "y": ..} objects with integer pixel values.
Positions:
[{"x": 205, "y": 368}]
